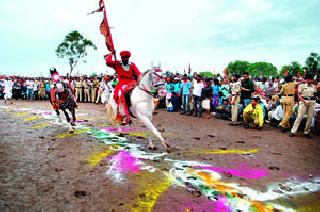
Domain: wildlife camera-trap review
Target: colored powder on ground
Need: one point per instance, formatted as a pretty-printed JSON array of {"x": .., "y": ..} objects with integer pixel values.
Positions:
[
  {"x": 222, "y": 206},
  {"x": 32, "y": 118},
  {"x": 117, "y": 129},
  {"x": 241, "y": 171},
  {"x": 228, "y": 151},
  {"x": 46, "y": 113},
  {"x": 315, "y": 206},
  {"x": 259, "y": 206},
  {"x": 138, "y": 134},
  {"x": 213, "y": 182},
  {"x": 152, "y": 191},
  {"x": 39, "y": 126},
  {"x": 76, "y": 132},
  {"x": 96, "y": 158},
  {"x": 126, "y": 163},
  {"x": 21, "y": 114}
]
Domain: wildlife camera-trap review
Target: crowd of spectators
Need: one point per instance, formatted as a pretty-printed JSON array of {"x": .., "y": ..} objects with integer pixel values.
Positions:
[{"x": 240, "y": 99}]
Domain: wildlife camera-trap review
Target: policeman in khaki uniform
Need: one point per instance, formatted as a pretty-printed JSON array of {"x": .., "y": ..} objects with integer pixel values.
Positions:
[
  {"x": 235, "y": 87},
  {"x": 306, "y": 92},
  {"x": 287, "y": 92},
  {"x": 96, "y": 84},
  {"x": 86, "y": 87},
  {"x": 79, "y": 90}
]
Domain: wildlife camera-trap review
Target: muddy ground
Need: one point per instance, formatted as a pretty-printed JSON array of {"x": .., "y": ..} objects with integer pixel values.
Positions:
[{"x": 44, "y": 168}]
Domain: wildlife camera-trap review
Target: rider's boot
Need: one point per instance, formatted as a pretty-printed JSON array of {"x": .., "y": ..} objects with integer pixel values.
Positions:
[{"x": 127, "y": 119}]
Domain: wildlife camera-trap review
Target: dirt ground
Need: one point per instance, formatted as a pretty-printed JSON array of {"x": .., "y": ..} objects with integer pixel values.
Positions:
[{"x": 217, "y": 167}]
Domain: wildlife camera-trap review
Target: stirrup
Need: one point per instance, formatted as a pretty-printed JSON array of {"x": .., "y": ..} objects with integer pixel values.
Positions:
[
  {"x": 126, "y": 121},
  {"x": 119, "y": 118}
]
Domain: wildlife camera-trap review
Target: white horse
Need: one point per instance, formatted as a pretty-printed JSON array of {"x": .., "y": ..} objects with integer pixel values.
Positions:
[{"x": 142, "y": 105}]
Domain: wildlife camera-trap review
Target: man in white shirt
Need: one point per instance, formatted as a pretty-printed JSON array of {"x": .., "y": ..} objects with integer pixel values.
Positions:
[
  {"x": 276, "y": 116},
  {"x": 197, "y": 88},
  {"x": 36, "y": 89},
  {"x": 8, "y": 90},
  {"x": 30, "y": 85}
]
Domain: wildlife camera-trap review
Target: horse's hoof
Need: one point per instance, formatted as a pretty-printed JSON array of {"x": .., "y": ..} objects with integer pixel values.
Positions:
[
  {"x": 167, "y": 145},
  {"x": 153, "y": 148},
  {"x": 73, "y": 124},
  {"x": 71, "y": 131}
]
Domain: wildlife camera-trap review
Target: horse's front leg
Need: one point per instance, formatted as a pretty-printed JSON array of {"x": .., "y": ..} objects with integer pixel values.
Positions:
[
  {"x": 154, "y": 130},
  {"x": 151, "y": 145},
  {"x": 73, "y": 113},
  {"x": 71, "y": 130}
]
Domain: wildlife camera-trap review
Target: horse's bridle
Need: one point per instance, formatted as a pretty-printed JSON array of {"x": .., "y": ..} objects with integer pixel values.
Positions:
[{"x": 152, "y": 93}]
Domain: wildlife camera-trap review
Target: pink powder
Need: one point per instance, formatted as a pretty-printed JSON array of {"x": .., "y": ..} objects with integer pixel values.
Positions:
[
  {"x": 116, "y": 129},
  {"x": 221, "y": 206},
  {"x": 126, "y": 163}
]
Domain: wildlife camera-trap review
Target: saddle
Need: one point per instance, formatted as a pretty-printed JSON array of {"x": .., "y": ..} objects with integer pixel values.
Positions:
[{"x": 62, "y": 100}]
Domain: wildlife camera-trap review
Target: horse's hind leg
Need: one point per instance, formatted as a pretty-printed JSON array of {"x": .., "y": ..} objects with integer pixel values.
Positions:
[
  {"x": 73, "y": 117},
  {"x": 58, "y": 115},
  {"x": 67, "y": 116},
  {"x": 154, "y": 130}
]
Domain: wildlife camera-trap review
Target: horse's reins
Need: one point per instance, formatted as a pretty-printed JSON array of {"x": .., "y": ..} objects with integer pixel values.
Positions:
[{"x": 151, "y": 93}]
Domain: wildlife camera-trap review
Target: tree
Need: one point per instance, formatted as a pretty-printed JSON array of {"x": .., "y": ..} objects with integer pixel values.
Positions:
[
  {"x": 94, "y": 74},
  {"x": 313, "y": 63},
  {"x": 74, "y": 47},
  {"x": 262, "y": 69},
  {"x": 206, "y": 74},
  {"x": 237, "y": 67},
  {"x": 294, "y": 69}
]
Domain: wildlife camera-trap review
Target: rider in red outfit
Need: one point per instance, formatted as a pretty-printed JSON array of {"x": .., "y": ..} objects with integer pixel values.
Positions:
[{"x": 128, "y": 76}]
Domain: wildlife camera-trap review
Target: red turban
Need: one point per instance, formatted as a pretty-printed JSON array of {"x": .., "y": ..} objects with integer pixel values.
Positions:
[{"x": 125, "y": 54}]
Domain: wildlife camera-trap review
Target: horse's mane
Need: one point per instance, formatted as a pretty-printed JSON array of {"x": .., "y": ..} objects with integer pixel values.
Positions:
[{"x": 145, "y": 78}]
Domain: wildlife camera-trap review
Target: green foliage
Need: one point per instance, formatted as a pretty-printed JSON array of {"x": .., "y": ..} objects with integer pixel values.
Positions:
[
  {"x": 262, "y": 69},
  {"x": 206, "y": 74},
  {"x": 74, "y": 47},
  {"x": 237, "y": 67},
  {"x": 254, "y": 69},
  {"x": 294, "y": 69},
  {"x": 313, "y": 63},
  {"x": 94, "y": 74}
]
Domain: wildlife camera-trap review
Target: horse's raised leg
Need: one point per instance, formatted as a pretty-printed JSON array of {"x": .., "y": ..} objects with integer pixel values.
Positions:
[
  {"x": 71, "y": 130},
  {"x": 154, "y": 130}
]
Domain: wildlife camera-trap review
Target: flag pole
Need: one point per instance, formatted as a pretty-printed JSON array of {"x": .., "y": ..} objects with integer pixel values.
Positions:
[{"x": 106, "y": 21}]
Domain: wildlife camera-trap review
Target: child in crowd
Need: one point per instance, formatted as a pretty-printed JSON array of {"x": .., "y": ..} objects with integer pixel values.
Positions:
[
  {"x": 215, "y": 91},
  {"x": 206, "y": 95},
  {"x": 169, "y": 89},
  {"x": 224, "y": 110}
]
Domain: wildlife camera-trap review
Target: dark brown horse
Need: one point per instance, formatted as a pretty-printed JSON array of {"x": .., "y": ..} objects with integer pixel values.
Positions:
[{"x": 62, "y": 98}]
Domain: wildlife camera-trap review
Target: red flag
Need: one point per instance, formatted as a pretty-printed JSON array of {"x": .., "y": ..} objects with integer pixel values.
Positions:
[{"x": 104, "y": 27}]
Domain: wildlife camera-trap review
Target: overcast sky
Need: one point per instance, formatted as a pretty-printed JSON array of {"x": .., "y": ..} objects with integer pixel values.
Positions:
[{"x": 207, "y": 33}]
